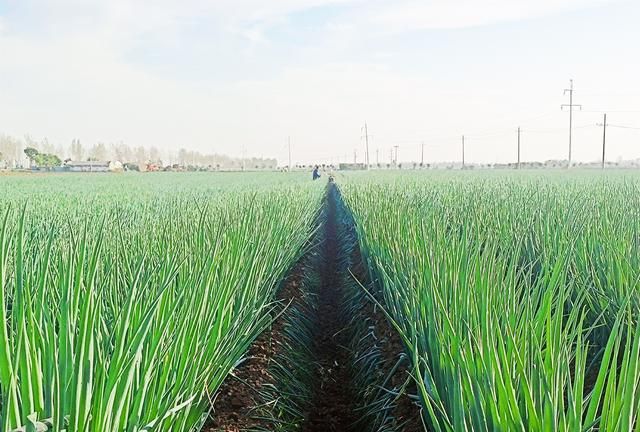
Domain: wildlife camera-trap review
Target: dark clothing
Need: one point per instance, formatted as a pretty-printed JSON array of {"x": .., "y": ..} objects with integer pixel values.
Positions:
[{"x": 316, "y": 174}]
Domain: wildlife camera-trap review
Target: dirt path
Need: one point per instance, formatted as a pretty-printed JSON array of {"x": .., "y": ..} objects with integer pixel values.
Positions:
[
  {"x": 332, "y": 403},
  {"x": 332, "y": 408}
]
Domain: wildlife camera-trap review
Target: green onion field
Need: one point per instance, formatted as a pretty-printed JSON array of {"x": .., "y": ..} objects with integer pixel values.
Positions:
[
  {"x": 517, "y": 297},
  {"x": 473, "y": 301},
  {"x": 127, "y": 301}
]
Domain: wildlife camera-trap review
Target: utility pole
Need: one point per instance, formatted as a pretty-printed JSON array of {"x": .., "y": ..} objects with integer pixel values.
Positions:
[
  {"x": 422, "y": 154},
  {"x": 462, "y": 151},
  {"x": 518, "y": 147},
  {"x": 355, "y": 156},
  {"x": 289, "y": 154},
  {"x": 604, "y": 137},
  {"x": 243, "y": 158},
  {"x": 570, "y": 105},
  {"x": 377, "y": 157},
  {"x": 366, "y": 140},
  {"x": 396, "y": 147}
]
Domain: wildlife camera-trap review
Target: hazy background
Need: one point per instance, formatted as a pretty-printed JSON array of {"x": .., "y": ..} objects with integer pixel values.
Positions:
[{"x": 242, "y": 75}]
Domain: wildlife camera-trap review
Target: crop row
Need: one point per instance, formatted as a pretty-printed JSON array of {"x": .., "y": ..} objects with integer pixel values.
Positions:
[
  {"x": 127, "y": 301},
  {"x": 517, "y": 299}
]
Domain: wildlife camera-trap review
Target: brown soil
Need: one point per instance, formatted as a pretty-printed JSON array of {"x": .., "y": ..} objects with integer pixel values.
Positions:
[
  {"x": 333, "y": 401},
  {"x": 406, "y": 412},
  {"x": 236, "y": 398}
]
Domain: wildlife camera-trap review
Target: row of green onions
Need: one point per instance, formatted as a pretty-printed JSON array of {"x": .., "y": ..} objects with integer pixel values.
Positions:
[
  {"x": 126, "y": 300},
  {"x": 517, "y": 297}
]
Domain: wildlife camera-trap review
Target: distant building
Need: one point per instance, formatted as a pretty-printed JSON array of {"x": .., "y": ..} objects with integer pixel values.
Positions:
[
  {"x": 88, "y": 166},
  {"x": 116, "y": 166},
  {"x": 352, "y": 167}
]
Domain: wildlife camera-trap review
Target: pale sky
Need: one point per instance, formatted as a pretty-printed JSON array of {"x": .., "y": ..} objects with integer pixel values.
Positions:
[{"x": 227, "y": 75}]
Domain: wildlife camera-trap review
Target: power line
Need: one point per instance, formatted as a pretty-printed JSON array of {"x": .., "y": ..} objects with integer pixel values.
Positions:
[
  {"x": 601, "y": 111},
  {"x": 289, "y": 143},
  {"x": 624, "y": 127},
  {"x": 506, "y": 132},
  {"x": 366, "y": 138},
  {"x": 551, "y": 130},
  {"x": 439, "y": 141},
  {"x": 604, "y": 137},
  {"x": 570, "y": 105},
  {"x": 518, "y": 147}
]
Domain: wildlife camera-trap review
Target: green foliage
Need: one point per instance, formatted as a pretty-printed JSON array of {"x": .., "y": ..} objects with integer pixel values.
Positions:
[
  {"x": 47, "y": 160},
  {"x": 127, "y": 300},
  {"x": 44, "y": 160},
  {"x": 31, "y": 153},
  {"x": 517, "y": 297}
]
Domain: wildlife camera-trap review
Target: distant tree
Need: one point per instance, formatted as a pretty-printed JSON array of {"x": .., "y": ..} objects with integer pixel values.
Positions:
[
  {"x": 77, "y": 152},
  {"x": 154, "y": 155},
  {"x": 44, "y": 160},
  {"x": 60, "y": 150},
  {"x": 30, "y": 142},
  {"x": 11, "y": 148},
  {"x": 98, "y": 152},
  {"x": 48, "y": 160},
  {"x": 31, "y": 153},
  {"x": 46, "y": 147},
  {"x": 140, "y": 155},
  {"x": 182, "y": 156},
  {"x": 122, "y": 152}
]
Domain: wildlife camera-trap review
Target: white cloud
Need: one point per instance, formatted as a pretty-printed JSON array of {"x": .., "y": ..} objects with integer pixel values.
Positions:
[
  {"x": 126, "y": 22},
  {"x": 65, "y": 73},
  {"x": 441, "y": 14}
]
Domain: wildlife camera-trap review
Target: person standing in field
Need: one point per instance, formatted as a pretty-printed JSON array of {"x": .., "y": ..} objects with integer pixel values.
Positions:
[{"x": 316, "y": 172}]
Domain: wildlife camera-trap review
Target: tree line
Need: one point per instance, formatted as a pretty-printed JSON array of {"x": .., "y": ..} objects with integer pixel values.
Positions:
[{"x": 22, "y": 152}]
